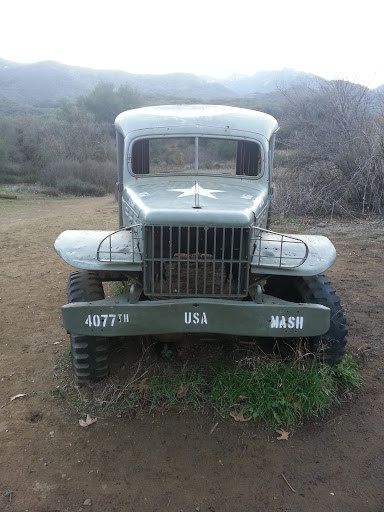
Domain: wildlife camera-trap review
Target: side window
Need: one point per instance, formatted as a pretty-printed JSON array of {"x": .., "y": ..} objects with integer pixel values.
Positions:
[
  {"x": 248, "y": 158},
  {"x": 140, "y": 157}
]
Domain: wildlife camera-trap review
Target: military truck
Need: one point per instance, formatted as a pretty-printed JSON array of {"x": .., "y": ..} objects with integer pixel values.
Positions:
[{"x": 194, "y": 244}]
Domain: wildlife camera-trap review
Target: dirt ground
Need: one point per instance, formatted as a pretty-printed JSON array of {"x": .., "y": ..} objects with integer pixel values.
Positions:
[{"x": 172, "y": 461}]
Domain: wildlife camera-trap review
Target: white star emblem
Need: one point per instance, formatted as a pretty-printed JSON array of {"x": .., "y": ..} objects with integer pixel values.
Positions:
[{"x": 195, "y": 189}]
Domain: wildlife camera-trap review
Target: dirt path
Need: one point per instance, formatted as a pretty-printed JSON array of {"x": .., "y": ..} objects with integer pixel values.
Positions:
[{"x": 170, "y": 461}]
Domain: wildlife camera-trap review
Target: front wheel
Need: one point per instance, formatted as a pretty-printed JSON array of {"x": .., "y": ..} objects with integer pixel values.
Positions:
[
  {"x": 89, "y": 354},
  {"x": 330, "y": 347}
]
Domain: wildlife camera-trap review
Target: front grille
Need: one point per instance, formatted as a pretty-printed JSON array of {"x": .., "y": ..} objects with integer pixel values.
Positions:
[{"x": 196, "y": 261}]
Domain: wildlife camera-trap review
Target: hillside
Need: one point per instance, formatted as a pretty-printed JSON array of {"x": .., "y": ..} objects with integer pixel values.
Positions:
[
  {"x": 266, "y": 81},
  {"x": 46, "y": 83}
]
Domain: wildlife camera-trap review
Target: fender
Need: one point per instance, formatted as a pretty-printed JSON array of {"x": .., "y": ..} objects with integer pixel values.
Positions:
[
  {"x": 291, "y": 255},
  {"x": 100, "y": 250}
]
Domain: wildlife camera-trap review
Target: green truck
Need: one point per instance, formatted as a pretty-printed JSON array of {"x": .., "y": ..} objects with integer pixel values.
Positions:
[{"x": 194, "y": 244}]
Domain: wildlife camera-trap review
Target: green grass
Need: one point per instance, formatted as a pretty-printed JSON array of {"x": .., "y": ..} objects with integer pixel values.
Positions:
[
  {"x": 283, "y": 393},
  {"x": 120, "y": 287},
  {"x": 255, "y": 388}
]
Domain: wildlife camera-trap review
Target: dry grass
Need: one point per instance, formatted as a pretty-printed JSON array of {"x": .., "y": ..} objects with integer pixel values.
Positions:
[{"x": 228, "y": 375}]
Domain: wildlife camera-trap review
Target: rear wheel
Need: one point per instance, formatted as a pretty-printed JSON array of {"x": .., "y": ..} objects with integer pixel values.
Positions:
[
  {"x": 329, "y": 347},
  {"x": 89, "y": 354}
]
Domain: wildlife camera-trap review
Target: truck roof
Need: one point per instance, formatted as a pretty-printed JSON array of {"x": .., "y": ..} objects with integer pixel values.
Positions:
[{"x": 198, "y": 117}]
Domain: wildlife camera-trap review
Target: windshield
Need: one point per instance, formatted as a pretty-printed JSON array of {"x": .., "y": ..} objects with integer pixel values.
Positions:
[{"x": 196, "y": 155}]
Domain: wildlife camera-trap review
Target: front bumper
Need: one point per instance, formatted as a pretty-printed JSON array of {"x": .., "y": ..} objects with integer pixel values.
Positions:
[{"x": 272, "y": 318}]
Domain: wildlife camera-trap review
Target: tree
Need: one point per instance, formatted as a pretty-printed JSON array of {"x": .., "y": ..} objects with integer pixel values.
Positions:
[
  {"x": 105, "y": 103},
  {"x": 335, "y": 147}
]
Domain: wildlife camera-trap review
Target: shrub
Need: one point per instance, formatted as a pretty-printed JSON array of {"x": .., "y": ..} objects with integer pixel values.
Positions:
[
  {"x": 336, "y": 150},
  {"x": 79, "y": 178},
  {"x": 79, "y": 188}
]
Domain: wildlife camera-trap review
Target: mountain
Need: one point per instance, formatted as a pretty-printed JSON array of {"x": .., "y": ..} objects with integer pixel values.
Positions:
[
  {"x": 46, "y": 83},
  {"x": 266, "y": 81}
]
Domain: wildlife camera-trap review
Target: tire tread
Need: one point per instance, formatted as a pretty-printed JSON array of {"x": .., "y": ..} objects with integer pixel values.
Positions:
[{"x": 89, "y": 354}]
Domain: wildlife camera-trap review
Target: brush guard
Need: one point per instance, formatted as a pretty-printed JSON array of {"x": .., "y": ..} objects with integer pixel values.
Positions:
[
  {"x": 275, "y": 250},
  {"x": 122, "y": 245}
]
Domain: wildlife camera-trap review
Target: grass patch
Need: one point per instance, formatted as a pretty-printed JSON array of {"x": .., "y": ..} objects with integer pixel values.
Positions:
[
  {"x": 282, "y": 392},
  {"x": 119, "y": 287},
  {"x": 256, "y": 387}
]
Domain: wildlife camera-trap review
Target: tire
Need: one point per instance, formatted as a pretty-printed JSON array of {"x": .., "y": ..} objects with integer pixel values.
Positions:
[
  {"x": 330, "y": 347},
  {"x": 89, "y": 354}
]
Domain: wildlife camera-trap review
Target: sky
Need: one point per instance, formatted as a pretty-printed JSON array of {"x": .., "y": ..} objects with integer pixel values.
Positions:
[{"x": 336, "y": 39}]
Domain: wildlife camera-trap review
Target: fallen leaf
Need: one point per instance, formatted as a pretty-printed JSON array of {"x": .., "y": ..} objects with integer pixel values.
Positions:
[
  {"x": 17, "y": 396},
  {"x": 283, "y": 434},
  {"x": 240, "y": 416},
  {"x": 8, "y": 494},
  {"x": 181, "y": 391},
  {"x": 88, "y": 421},
  {"x": 297, "y": 406}
]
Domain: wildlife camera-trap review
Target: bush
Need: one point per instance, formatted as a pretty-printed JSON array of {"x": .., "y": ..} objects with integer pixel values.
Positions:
[
  {"x": 336, "y": 150},
  {"x": 79, "y": 188},
  {"x": 50, "y": 192},
  {"x": 13, "y": 175},
  {"x": 80, "y": 178}
]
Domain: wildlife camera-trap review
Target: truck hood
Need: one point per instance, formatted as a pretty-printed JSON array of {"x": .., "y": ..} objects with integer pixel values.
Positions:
[{"x": 192, "y": 201}]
